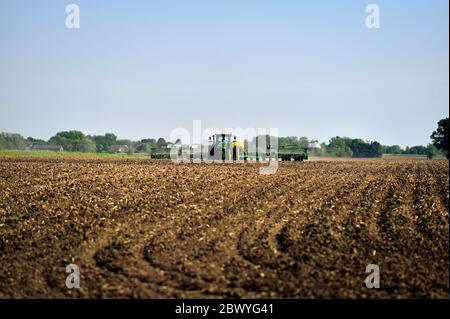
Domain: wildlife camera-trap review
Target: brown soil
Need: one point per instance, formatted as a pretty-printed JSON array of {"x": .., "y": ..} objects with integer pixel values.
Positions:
[{"x": 152, "y": 229}]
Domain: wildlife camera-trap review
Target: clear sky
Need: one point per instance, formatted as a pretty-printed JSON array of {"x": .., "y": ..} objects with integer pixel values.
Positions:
[{"x": 141, "y": 68}]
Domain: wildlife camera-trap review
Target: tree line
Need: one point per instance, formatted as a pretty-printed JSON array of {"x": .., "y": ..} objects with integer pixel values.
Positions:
[{"x": 76, "y": 141}]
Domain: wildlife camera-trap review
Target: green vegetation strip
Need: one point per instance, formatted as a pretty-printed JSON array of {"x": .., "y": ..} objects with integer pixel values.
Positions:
[{"x": 36, "y": 153}]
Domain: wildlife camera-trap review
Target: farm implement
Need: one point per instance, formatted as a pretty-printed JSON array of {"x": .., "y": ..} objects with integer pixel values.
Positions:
[{"x": 225, "y": 147}]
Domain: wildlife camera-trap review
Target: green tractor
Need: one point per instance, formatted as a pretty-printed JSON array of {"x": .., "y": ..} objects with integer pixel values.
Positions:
[{"x": 224, "y": 147}]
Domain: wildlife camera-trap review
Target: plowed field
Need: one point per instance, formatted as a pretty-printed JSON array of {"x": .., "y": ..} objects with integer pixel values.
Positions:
[{"x": 152, "y": 229}]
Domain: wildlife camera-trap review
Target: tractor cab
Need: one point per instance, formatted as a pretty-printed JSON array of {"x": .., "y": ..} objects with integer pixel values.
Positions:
[
  {"x": 222, "y": 147},
  {"x": 218, "y": 138}
]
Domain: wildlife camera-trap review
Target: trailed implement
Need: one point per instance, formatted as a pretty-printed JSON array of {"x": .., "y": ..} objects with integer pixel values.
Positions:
[{"x": 225, "y": 147}]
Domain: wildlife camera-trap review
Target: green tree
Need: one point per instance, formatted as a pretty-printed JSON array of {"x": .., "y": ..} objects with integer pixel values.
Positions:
[
  {"x": 35, "y": 141},
  {"x": 346, "y": 147},
  {"x": 376, "y": 150},
  {"x": 149, "y": 141},
  {"x": 86, "y": 145},
  {"x": 12, "y": 141},
  {"x": 130, "y": 151},
  {"x": 359, "y": 148},
  {"x": 104, "y": 142},
  {"x": 303, "y": 142},
  {"x": 394, "y": 149},
  {"x": 131, "y": 145},
  {"x": 70, "y": 135},
  {"x": 416, "y": 150},
  {"x": 432, "y": 151},
  {"x": 73, "y": 141},
  {"x": 338, "y": 147},
  {"x": 440, "y": 136},
  {"x": 146, "y": 145}
]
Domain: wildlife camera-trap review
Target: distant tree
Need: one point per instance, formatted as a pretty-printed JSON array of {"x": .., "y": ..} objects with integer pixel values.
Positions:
[
  {"x": 35, "y": 141},
  {"x": 348, "y": 147},
  {"x": 440, "y": 136},
  {"x": 71, "y": 135},
  {"x": 73, "y": 141},
  {"x": 303, "y": 142},
  {"x": 416, "y": 150},
  {"x": 338, "y": 147},
  {"x": 87, "y": 145},
  {"x": 146, "y": 145},
  {"x": 376, "y": 150},
  {"x": 432, "y": 151},
  {"x": 150, "y": 141},
  {"x": 104, "y": 142},
  {"x": 12, "y": 141},
  {"x": 130, "y": 151},
  {"x": 394, "y": 149},
  {"x": 359, "y": 148},
  {"x": 131, "y": 145}
]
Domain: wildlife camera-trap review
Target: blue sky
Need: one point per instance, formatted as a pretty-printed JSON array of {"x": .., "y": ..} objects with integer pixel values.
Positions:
[{"x": 141, "y": 68}]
